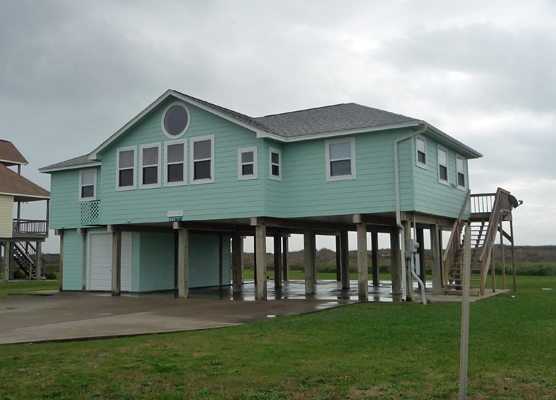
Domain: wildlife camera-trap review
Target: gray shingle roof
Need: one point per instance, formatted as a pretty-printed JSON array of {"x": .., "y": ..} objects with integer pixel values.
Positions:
[
  {"x": 336, "y": 118},
  {"x": 73, "y": 162}
]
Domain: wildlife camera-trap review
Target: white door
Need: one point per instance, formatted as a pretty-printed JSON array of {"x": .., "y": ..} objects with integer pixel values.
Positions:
[{"x": 100, "y": 261}]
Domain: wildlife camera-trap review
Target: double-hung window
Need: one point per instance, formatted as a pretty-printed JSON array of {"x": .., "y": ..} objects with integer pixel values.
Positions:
[
  {"x": 175, "y": 165},
  {"x": 421, "y": 149},
  {"x": 126, "y": 162},
  {"x": 247, "y": 163},
  {"x": 442, "y": 166},
  {"x": 340, "y": 159},
  {"x": 88, "y": 185},
  {"x": 460, "y": 167},
  {"x": 150, "y": 166},
  {"x": 202, "y": 159},
  {"x": 275, "y": 164}
]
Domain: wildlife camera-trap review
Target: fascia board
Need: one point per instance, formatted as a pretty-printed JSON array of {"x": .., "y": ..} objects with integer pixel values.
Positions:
[
  {"x": 80, "y": 166},
  {"x": 462, "y": 148},
  {"x": 13, "y": 162},
  {"x": 25, "y": 195}
]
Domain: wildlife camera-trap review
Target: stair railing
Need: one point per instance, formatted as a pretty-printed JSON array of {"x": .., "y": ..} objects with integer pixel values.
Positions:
[
  {"x": 454, "y": 243},
  {"x": 501, "y": 203}
]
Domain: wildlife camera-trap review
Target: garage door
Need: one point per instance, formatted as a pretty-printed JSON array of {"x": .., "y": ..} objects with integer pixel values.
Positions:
[{"x": 100, "y": 261}]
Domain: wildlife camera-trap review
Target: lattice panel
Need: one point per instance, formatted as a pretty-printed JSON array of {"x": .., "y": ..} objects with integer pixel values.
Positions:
[{"x": 90, "y": 213}]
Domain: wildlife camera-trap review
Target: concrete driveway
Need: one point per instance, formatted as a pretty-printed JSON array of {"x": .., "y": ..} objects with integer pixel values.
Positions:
[{"x": 81, "y": 316}]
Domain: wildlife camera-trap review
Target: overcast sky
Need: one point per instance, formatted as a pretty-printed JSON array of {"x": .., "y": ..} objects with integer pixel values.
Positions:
[{"x": 73, "y": 72}]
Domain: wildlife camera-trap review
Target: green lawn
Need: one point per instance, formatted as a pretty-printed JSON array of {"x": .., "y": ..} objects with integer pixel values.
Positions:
[
  {"x": 13, "y": 290},
  {"x": 362, "y": 351}
]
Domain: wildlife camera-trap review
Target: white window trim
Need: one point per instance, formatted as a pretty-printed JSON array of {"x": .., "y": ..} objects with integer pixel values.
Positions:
[
  {"x": 240, "y": 176},
  {"x": 458, "y": 157},
  {"x": 134, "y": 186},
  {"x": 192, "y": 142},
  {"x": 418, "y": 163},
  {"x": 444, "y": 182},
  {"x": 84, "y": 171},
  {"x": 150, "y": 185},
  {"x": 353, "y": 174},
  {"x": 270, "y": 164},
  {"x": 166, "y": 144},
  {"x": 164, "y": 116}
]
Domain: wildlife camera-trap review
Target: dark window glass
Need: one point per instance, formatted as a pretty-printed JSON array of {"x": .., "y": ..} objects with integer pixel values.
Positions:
[
  {"x": 461, "y": 179},
  {"x": 127, "y": 159},
  {"x": 338, "y": 168},
  {"x": 175, "y": 173},
  {"x": 443, "y": 173},
  {"x": 175, "y": 120},
  {"x": 247, "y": 169},
  {"x": 276, "y": 170},
  {"x": 87, "y": 191},
  {"x": 202, "y": 149},
  {"x": 422, "y": 157},
  {"x": 126, "y": 177},
  {"x": 175, "y": 153},
  {"x": 247, "y": 157},
  {"x": 275, "y": 158},
  {"x": 150, "y": 175},
  {"x": 201, "y": 170}
]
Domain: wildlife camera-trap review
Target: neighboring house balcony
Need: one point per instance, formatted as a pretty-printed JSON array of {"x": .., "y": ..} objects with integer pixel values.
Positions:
[{"x": 27, "y": 229}]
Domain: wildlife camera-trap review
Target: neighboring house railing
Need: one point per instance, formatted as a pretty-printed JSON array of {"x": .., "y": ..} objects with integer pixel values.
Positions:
[
  {"x": 29, "y": 227},
  {"x": 90, "y": 213}
]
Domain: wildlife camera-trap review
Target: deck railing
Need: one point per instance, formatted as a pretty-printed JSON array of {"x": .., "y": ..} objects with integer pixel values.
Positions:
[{"x": 29, "y": 227}]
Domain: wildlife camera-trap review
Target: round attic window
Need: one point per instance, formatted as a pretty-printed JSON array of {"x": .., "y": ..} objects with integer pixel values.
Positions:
[{"x": 175, "y": 120}]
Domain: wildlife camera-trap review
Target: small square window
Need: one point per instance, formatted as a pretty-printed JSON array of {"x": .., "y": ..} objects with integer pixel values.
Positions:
[
  {"x": 275, "y": 164},
  {"x": 340, "y": 159},
  {"x": 247, "y": 163}
]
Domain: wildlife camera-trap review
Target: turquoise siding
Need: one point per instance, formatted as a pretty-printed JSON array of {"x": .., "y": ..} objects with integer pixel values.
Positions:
[
  {"x": 204, "y": 260},
  {"x": 431, "y": 196},
  {"x": 373, "y": 191},
  {"x": 156, "y": 262},
  {"x": 65, "y": 208},
  {"x": 225, "y": 198},
  {"x": 73, "y": 260}
]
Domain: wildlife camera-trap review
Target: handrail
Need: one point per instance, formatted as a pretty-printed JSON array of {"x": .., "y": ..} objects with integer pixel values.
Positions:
[
  {"x": 30, "y": 226},
  {"x": 454, "y": 242}
]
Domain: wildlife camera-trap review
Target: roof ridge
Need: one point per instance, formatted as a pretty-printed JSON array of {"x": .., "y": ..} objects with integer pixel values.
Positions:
[{"x": 307, "y": 109}]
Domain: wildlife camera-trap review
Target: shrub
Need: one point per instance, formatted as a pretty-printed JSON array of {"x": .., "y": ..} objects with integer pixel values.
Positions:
[
  {"x": 50, "y": 275},
  {"x": 19, "y": 274}
]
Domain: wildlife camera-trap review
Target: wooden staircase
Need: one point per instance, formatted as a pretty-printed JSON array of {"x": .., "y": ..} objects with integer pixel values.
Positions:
[
  {"x": 487, "y": 211},
  {"x": 25, "y": 256}
]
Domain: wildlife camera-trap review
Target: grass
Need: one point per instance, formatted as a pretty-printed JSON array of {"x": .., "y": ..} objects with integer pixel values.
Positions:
[
  {"x": 13, "y": 290},
  {"x": 363, "y": 351}
]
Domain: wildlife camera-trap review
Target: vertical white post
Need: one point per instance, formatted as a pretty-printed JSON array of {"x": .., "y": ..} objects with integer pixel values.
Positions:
[{"x": 465, "y": 316}]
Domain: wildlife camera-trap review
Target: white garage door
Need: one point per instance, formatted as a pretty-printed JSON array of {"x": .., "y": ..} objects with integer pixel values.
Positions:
[{"x": 100, "y": 261}]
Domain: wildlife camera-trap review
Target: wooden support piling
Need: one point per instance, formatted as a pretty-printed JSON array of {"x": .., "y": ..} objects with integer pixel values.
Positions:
[
  {"x": 436, "y": 260},
  {"x": 309, "y": 261},
  {"x": 285, "y": 264},
  {"x": 344, "y": 262},
  {"x": 183, "y": 263},
  {"x": 374, "y": 258},
  {"x": 503, "y": 256},
  {"x": 260, "y": 257},
  {"x": 277, "y": 260},
  {"x": 362, "y": 262},
  {"x": 116, "y": 263},
  {"x": 395, "y": 262},
  {"x": 236, "y": 262}
]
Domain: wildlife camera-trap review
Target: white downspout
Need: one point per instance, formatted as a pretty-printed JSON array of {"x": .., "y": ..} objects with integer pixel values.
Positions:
[{"x": 398, "y": 207}]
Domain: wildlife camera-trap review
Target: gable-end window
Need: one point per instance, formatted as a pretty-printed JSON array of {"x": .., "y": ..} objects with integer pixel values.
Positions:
[
  {"x": 460, "y": 167},
  {"x": 442, "y": 166},
  {"x": 340, "y": 159},
  {"x": 126, "y": 162},
  {"x": 150, "y": 166},
  {"x": 174, "y": 165},
  {"x": 247, "y": 163},
  {"x": 88, "y": 185},
  {"x": 175, "y": 120},
  {"x": 421, "y": 149},
  {"x": 275, "y": 164},
  {"x": 202, "y": 159}
]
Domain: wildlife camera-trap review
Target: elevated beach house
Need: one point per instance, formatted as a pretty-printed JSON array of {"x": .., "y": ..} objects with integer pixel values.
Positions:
[
  {"x": 165, "y": 202},
  {"x": 20, "y": 238}
]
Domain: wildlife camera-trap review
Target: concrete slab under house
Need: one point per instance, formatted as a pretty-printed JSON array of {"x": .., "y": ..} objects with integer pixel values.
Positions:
[{"x": 164, "y": 204}]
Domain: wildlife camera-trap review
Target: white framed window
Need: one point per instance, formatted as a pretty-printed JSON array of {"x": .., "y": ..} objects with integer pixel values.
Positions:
[
  {"x": 126, "y": 162},
  {"x": 421, "y": 151},
  {"x": 175, "y": 170},
  {"x": 88, "y": 185},
  {"x": 460, "y": 168},
  {"x": 202, "y": 160},
  {"x": 442, "y": 166},
  {"x": 150, "y": 166},
  {"x": 340, "y": 159},
  {"x": 275, "y": 164},
  {"x": 247, "y": 163},
  {"x": 175, "y": 120}
]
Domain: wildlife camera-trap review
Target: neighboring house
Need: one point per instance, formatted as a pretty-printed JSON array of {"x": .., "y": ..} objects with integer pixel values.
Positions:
[
  {"x": 17, "y": 235},
  {"x": 158, "y": 204}
]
